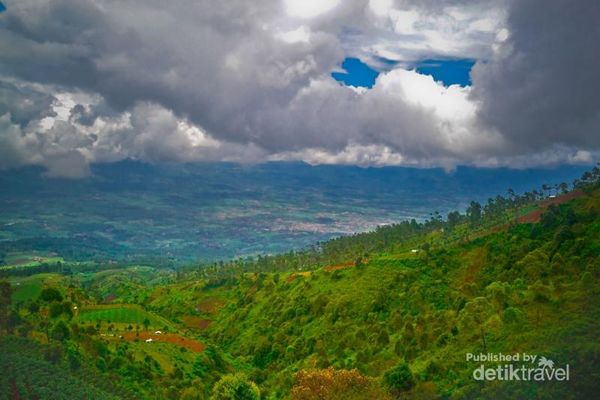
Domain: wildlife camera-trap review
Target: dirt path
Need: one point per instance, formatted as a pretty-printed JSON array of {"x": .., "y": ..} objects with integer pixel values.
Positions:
[{"x": 536, "y": 215}]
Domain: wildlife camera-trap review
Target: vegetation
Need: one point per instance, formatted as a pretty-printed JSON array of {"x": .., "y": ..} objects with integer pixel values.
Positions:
[
  {"x": 131, "y": 212},
  {"x": 235, "y": 387},
  {"x": 127, "y": 313},
  {"x": 387, "y": 314}
]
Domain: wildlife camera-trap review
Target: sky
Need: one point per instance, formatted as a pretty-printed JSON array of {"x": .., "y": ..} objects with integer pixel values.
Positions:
[{"x": 362, "y": 82}]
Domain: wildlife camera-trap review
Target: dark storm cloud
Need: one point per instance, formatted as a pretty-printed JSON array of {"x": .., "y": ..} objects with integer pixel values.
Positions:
[
  {"x": 543, "y": 88},
  {"x": 212, "y": 62},
  {"x": 240, "y": 80},
  {"x": 24, "y": 103}
]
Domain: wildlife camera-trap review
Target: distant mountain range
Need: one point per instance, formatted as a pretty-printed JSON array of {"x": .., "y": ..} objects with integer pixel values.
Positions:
[{"x": 178, "y": 213}]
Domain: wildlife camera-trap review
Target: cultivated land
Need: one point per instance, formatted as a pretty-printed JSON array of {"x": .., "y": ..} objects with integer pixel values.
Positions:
[
  {"x": 381, "y": 315},
  {"x": 131, "y": 212}
]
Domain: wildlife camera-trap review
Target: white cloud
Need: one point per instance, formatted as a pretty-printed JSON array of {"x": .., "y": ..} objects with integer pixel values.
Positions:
[
  {"x": 447, "y": 103},
  {"x": 353, "y": 154},
  {"x": 404, "y": 20},
  {"x": 582, "y": 156},
  {"x": 463, "y": 30},
  {"x": 309, "y": 8},
  {"x": 299, "y": 35},
  {"x": 380, "y": 7}
]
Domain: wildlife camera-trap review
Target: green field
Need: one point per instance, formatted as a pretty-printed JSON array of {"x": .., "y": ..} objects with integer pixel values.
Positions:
[
  {"x": 125, "y": 314},
  {"x": 24, "y": 260},
  {"x": 29, "y": 288}
]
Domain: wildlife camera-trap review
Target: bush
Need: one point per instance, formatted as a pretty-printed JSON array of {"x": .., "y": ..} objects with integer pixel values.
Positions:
[
  {"x": 235, "y": 387},
  {"x": 512, "y": 315},
  {"x": 335, "y": 384},
  {"x": 399, "y": 378},
  {"x": 50, "y": 294},
  {"x": 60, "y": 332}
]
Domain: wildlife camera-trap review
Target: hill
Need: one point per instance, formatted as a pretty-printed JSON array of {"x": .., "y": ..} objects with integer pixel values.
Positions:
[{"x": 412, "y": 311}]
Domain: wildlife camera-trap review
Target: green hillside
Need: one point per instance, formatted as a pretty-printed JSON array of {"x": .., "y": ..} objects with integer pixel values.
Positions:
[
  {"x": 390, "y": 314},
  {"x": 532, "y": 287}
]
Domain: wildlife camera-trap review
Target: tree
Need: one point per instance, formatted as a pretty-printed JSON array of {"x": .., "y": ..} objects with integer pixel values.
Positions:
[
  {"x": 56, "y": 309},
  {"x": 235, "y": 387},
  {"x": 540, "y": 296},
  {"x": 474, "y": 212},
  {"x": 511, "y": 194},
  {"x": 473, "y": 316},
  {"x": 332, "y": 384},
  {"x": 5, "y": 301},
  {"x": 359, "y": 262},
  {"x": 50, "y": 294},
  {"x": 53, "y": 353},
  {"x": 564, "y": 187},
  {"x": 73, "y": 357},
  {"x": 383, "y": 338},
  {"x": 146, "y": 323},
  {"x": 546, "y": 188},
  {"x": 453, "y": 218},
  {"x": 14, "y": 319},
  {"x": 60, "y": 332},
  {"x": 33, "y": 307},
  {"x": 399, "y": 379}
]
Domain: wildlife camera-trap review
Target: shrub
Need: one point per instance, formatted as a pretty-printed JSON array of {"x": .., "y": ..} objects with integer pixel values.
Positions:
[
  {"x": 512, "y": 315},
  {"x": 50, "y": 294},
  {"x": 235, "y": 387},
  {"x": 399, "y": 378},
  {"x": 332, "y": 384},
  {"x": 60, "y": 331}
]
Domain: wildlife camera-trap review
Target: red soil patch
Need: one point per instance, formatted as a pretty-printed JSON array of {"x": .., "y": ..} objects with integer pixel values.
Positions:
[
  {"x": 293, "y": 276},
  {"x": 110, "y": 298},
  {"x": 563, "y": 198},
  {"x": 14, "y": 391},
  {"x": 345, "y": 265},
  {"x": 196, "y": 322},
  {"x": 209, "y": 306},
  {"x": 532, "y": 216},
  {"x": 536, "y": 215},
  {"x": 173, "y": 338}
]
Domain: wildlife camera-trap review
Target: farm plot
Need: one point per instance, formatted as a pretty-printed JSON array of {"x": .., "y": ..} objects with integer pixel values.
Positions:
[
  {"x": 122, "y": 313},
  {"x": 29, "y": 288}
]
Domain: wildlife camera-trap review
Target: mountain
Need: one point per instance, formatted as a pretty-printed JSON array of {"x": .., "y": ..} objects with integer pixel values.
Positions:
[
  {"x": 425, "y": 310},
  {"x": 172, "y": 214}
]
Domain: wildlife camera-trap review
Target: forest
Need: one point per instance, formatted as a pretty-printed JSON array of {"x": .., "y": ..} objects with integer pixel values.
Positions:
[{"x": 388, "y": 314}]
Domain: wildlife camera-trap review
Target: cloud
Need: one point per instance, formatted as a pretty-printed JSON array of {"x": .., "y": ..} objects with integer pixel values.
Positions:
[
  {"x": 71, "y": 164},
  {"x": 10, "y": 143},
  {"x": 542, "y": 89},
  {"x": 309, "y": 8},
  {"x": 85, "y": 81},
  {"x": 24, "y": 103}
]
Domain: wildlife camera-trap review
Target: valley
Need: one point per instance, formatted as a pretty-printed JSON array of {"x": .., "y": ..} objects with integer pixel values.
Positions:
[{"x": 386, "y": 314}]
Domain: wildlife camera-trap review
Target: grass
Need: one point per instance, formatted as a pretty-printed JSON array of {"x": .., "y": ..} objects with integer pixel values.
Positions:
[
  {"x": 24, "y": 260},
  {"x": 29, "y": 288},
  {"x": 125, "y": 313}
]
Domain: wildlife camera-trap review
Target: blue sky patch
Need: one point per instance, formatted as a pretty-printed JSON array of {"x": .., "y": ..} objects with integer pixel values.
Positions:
[
  {"x": 357, "y": 74},
  {"x": 2, "y": 7},
  {"x": 450, "y": 72}
]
